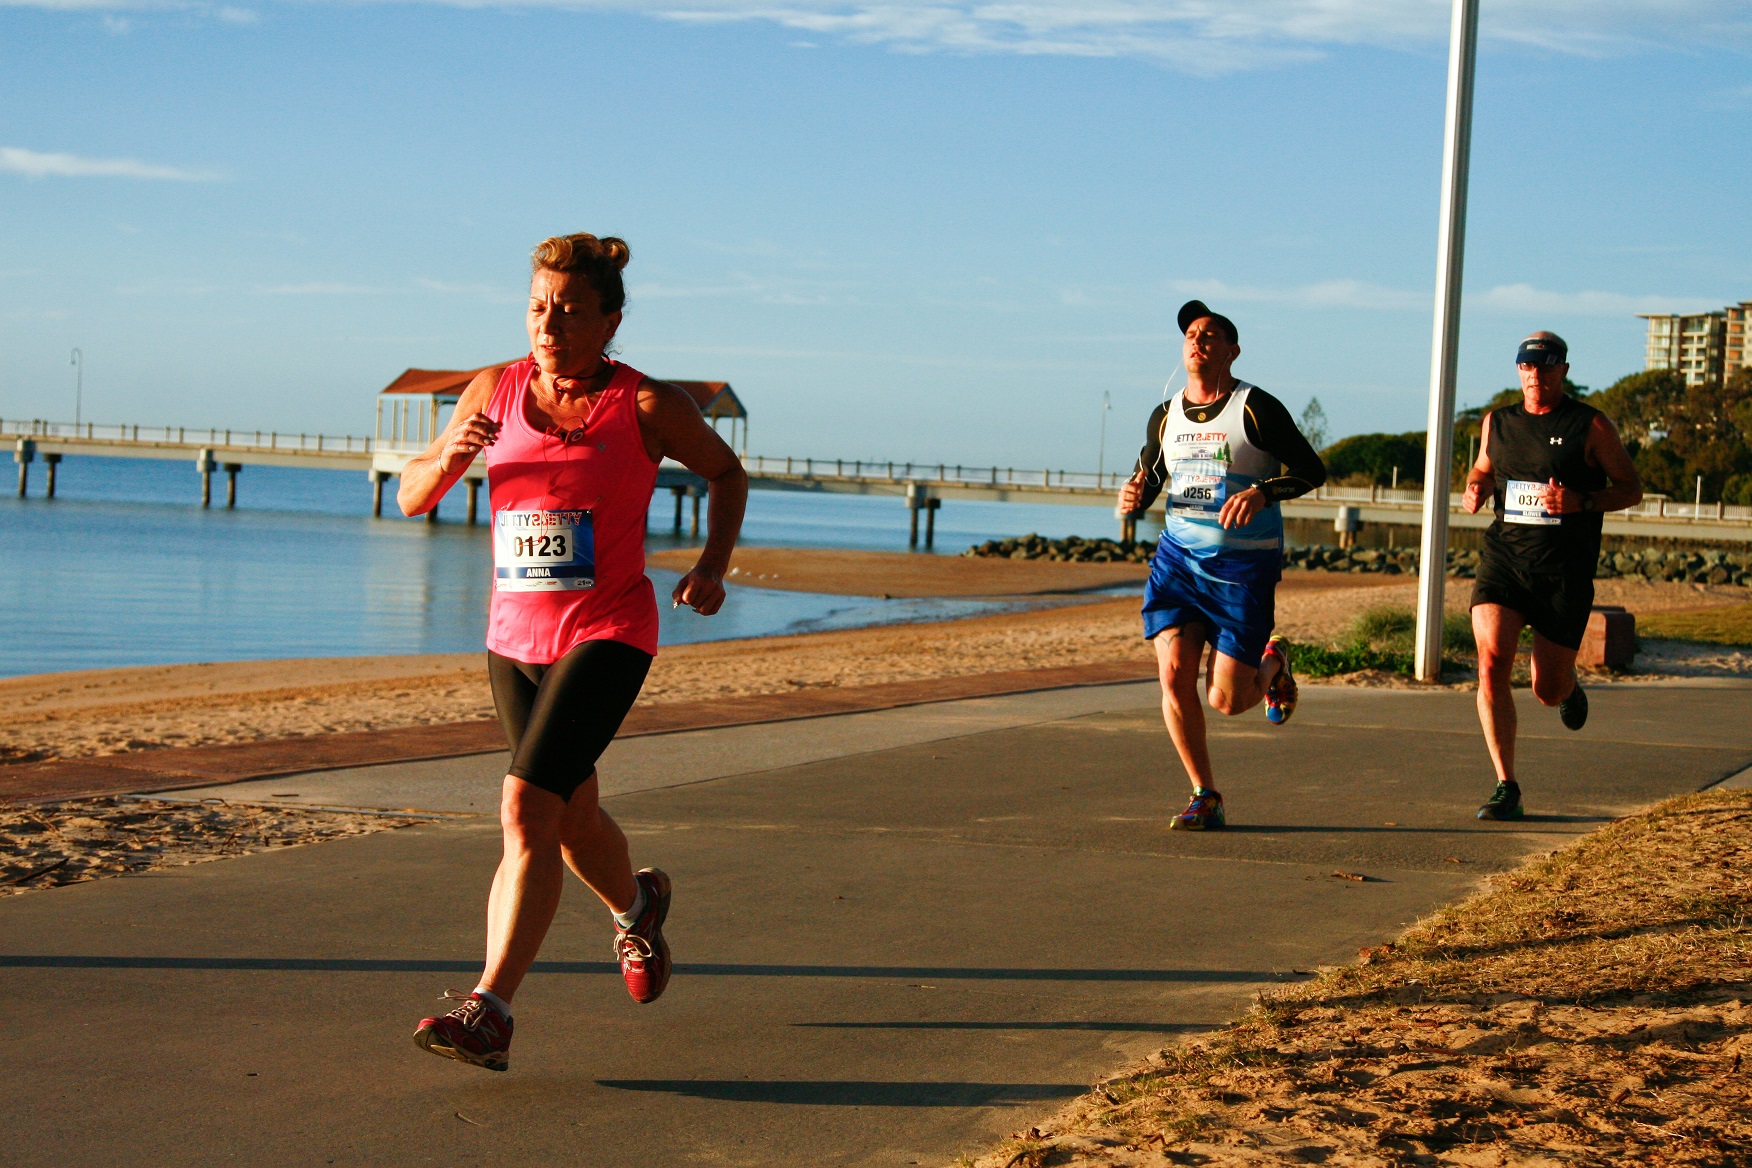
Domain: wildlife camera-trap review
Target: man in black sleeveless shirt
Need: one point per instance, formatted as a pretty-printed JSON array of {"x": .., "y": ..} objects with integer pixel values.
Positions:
[{"x": 1554, "y": 468}]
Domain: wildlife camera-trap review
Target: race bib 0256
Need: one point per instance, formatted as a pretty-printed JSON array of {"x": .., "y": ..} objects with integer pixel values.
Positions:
[
  {"x": 543, "y": 551},
  {"x": 1197, "y": 487},
  {"x": 1524, "y": 502}
]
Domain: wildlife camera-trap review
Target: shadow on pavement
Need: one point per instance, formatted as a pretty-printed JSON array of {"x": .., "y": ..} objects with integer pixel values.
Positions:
[
  {"x": 831, "y": 1093},
  {"x": 1099, "y": 1027},
  {"x": 1327, "y": 829},
  {"x": 369, "y": 965}
]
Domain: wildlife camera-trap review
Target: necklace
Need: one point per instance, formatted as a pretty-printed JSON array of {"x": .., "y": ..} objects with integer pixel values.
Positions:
[{"x": 558, "y": 414}]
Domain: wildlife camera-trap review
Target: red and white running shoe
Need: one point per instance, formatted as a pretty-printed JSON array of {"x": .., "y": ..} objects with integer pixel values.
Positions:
[
  {"x": 641, "y": 950},
  {"x": 473, "y": 1033}
]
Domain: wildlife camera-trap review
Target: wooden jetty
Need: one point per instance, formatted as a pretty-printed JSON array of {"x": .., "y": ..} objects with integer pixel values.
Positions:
[{"x": 922, "y": 486}]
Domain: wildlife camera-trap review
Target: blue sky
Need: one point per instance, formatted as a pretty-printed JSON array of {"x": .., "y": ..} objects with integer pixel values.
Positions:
[{"x": 930, "y": 231}]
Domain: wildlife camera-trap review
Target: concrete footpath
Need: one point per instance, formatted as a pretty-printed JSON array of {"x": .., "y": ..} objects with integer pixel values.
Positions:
[{"x": 900, "y": 934}]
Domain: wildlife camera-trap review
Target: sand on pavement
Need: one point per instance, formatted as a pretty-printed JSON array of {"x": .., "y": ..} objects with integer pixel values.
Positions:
[
  {"x": 102, "y": 712},
  {"x": 845, "y": 572}
]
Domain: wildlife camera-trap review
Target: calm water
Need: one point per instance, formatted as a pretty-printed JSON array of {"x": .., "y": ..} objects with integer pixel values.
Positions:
[{"x": 123, "y": 569}]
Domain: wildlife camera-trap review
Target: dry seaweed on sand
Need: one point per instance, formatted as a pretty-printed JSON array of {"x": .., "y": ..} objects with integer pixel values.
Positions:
[
  {"x": 1593, "y": 1007},
  {"x": 87, "y": 839}
]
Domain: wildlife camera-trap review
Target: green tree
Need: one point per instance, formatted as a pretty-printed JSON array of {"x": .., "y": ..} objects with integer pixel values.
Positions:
[
  {"x": 1314, "y": 425},
  {"x": 1705, "y": 433},
  {"x": 1644, "y": 406},
  {"x": 1372, "y": 457}
]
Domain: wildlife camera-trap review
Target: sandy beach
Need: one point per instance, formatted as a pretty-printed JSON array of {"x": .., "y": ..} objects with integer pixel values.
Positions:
[{"x": 102, "y": 712}]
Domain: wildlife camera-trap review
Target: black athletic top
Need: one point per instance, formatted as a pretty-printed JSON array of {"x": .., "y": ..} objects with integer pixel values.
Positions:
[
  {"x": 1269, "y": 427},
  {"x": 1534, "y": 449}
]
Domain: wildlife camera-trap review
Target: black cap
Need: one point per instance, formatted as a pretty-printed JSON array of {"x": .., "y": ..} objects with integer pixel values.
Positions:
[
  {"x": 1196, "y": 309},
  {"x": 1548, "y": 349}
]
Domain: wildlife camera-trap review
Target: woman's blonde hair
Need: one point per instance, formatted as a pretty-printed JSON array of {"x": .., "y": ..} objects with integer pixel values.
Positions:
[{"x": 599, "y": 261}]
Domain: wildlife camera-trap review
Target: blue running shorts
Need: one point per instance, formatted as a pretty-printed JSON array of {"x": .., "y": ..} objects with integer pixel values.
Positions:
[{"x": 1239, "y": 608}]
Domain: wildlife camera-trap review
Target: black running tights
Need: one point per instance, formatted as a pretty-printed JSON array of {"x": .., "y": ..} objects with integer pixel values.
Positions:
[{"x": 559, "y": 718}]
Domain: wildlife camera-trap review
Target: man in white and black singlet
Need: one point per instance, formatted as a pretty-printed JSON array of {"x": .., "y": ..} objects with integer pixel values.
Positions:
[
  {"x": 1553, "y": 466},
  {"x": 1228, "y": 453}
]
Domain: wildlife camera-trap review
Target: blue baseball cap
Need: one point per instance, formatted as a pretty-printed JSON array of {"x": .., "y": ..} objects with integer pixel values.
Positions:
[{"x": 1546, "y": 349}]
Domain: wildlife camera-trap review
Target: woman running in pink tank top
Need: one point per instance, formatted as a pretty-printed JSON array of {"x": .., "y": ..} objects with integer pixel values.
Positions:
[{"x": 572, "y": 441}]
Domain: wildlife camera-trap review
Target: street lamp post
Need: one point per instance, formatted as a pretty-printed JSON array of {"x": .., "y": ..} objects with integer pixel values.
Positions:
[
  {"x": 78, "y": 364},
  {"x": 1101, "y": 458},
  {"x": 1450, "y": 257}
]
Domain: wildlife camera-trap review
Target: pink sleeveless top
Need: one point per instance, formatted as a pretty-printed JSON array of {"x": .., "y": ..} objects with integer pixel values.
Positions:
[{"x": 569, "y": 525}]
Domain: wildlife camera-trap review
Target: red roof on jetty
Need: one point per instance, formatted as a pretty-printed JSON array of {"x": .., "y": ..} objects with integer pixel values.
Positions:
[
  {"x": 715, "y": 398},
  {"x": 433, "y": 381}
]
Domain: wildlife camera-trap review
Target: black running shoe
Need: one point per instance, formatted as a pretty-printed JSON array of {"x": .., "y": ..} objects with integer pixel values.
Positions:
[
  {"x": 1504, "y": 803},
  {"x": 1574, "y": 709}
]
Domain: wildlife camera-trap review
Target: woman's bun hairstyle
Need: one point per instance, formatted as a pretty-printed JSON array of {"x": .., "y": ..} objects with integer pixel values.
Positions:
[{"x": 599, "y": 261}]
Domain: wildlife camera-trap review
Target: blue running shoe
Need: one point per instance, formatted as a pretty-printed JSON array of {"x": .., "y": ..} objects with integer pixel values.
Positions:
[
  {"x": 1281, "y": 694},
  {"x": 1204, "y": 813}
]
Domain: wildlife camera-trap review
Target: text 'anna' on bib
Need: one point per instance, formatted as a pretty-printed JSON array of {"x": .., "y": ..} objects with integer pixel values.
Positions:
[{"x": 543, "y": 551}]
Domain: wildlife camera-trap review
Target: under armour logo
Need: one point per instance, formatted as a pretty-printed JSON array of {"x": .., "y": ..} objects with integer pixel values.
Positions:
[{"x": 1557, "y": 441}]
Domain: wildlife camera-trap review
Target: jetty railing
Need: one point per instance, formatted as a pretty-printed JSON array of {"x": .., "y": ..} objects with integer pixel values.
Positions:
[
  {"x": 186, "y": 436},
  {"x": 932, "y": 472},
  {"x": 918, "y": 481}
]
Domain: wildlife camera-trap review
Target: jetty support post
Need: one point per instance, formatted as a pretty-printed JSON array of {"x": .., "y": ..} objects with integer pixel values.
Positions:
[
  {"x": 1128, "y": 525},
  {"x": 52, "y": 461},
  {"x": 698, "y": 493},
  {"x": 23, "y": 454},
  {"x": 378, "y": 478},
  {"x": 931, "y": 506},
  {"x": 678, "y": 492},
  {"x": 205, "y": 464},
  {"x": 474, "y": 499},
  {"x": 231, "y": 469},
  {"x": 917, "y": 499}
]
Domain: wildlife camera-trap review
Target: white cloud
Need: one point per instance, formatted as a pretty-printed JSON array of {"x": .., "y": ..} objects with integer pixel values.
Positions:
[
  {"x": 1526, "y": 299},
  {"x": 770, "y": 290},
  {"x": 1205, "y": 36},
  {"x": 36, "y": 164},
  {"x": 1324, "y": 294},
  {"x": 490, "y": 293},
  {"x": 321, "y": 288},
  {"x": 1197, "y": 36},
  {"x": 239, "y": 16}
]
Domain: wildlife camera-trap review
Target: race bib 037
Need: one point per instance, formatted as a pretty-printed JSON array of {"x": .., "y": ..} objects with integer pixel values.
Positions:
[
  {"x": 1524, "y": 502},
  {"x": 543, "y": 551}
]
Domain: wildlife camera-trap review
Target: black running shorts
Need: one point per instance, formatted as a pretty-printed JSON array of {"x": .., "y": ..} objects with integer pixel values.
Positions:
[
  {"x": 1555, "y": 604},
  {"x": 559, "y": 718}
]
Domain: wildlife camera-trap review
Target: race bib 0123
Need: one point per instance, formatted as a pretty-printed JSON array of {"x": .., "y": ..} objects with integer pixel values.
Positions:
[
  {"x": 543, "y": 551},
  {"x": 1524, "y": 502}
]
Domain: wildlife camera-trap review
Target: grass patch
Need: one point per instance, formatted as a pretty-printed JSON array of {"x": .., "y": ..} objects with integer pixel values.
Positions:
[
  {"x": 1321, "y": 661},
  {"x": 1592, "y": 1007},
  {"x": 1730, "y": 624},
  {"x": 1393, "y": 629},
  {"x": 1381, "y": 638}
]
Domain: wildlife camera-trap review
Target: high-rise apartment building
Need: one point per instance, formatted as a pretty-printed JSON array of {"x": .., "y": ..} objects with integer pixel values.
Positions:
[
  {"x": 1693, "y": 343},
  {"x": 1737, "y": 344},
  {"x": 1704, "y": 346}
]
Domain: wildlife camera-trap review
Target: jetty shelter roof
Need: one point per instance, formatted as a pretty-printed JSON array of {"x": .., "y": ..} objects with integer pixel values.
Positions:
[
  {"x": 715, "y": 398},
  {"x": 438, "y": 382}
]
